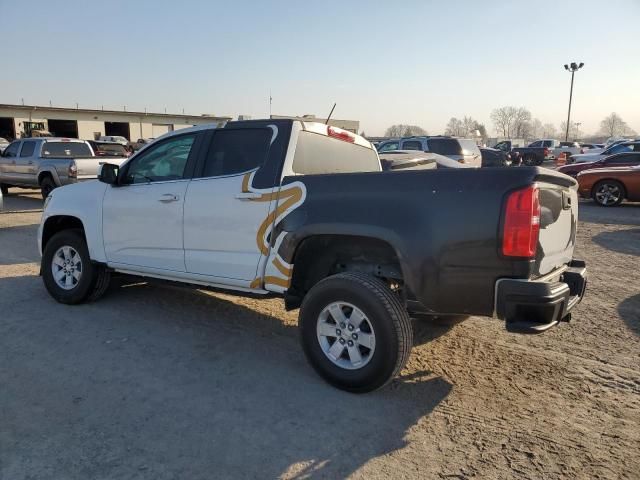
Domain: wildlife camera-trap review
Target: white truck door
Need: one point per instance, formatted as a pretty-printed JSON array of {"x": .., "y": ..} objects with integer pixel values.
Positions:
[
  {"x": 142, "y": 219},
  {"x": 225, "y": 218}
]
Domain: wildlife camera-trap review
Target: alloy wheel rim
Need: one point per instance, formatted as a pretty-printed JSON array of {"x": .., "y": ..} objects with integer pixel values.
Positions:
[
  {"x": 346, "y": 335},
  {"x": 66, "y": 267},
  {"x": 608, "y": 194}
]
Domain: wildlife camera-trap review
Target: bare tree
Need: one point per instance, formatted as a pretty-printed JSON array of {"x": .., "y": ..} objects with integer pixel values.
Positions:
[
  {"x": 454, "y": 127},
  {"x": 614, "y": 126},
  {"x": 502, "y": 119},
  {"x": 401, "y": 130},
  {"x": 536, "y": 128},
  {"x": 521, "y": 123}
]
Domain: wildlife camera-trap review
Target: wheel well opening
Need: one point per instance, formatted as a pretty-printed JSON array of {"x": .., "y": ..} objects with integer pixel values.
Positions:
[
  {"x": 43, "y": 175},
  {"x": 57, "y": 224},
  {"x": 320, "y": 256}
]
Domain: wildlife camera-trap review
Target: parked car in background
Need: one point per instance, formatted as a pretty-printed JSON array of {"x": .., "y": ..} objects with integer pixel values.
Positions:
[
  {"x": 302, "y": 210},
  {"x": 592, "y": 146},
  {"x": 109, "y": 149},
  {"x": 608, "y": 187},
  {"x": 493, "y": 157},
  {"x": 592, "y": 156},
  {"x": 416, "y": 160},
  {"x": 568, "y": 148},
  {"x": 4, "y": 143},
  {"x": 618, "y": 160},
  {"x": 533, "y": 155},
  {"x": 114, "y": 139},
  {"x": 141, "y": 142},
  {"x": 47, "y": 163},
  {"x": 460, "y": 149}
]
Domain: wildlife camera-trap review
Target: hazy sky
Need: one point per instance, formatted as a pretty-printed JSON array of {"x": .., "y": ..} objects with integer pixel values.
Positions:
[{"x": 383, "y": 62}]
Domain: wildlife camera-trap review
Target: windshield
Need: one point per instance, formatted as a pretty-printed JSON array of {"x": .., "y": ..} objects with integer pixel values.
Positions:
[
  {"x": 66, "y": 149},
  {"x": 620, "y": 148}
]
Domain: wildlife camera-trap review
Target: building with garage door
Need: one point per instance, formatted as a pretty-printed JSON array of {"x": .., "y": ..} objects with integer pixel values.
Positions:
[{"x": 18, "y": 121}]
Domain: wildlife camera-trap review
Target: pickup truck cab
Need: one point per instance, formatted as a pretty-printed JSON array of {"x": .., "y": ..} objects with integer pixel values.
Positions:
[
  {"x": 304, "y": 211},
  {"x": 46, "y": 163}
]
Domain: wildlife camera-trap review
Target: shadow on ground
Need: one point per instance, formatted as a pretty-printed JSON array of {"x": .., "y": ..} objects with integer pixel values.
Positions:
[
  {"x": 629, "y": 310},
  {"x": 22, "y": 201},
  {"x": 621, "y": 241},
  {"x": 157, "y": 382},
  {"x": 624, "y": 214}
]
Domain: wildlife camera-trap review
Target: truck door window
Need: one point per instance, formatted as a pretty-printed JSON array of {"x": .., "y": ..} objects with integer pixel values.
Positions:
[
  {"x": 12, "y": 150},
  {"x": 236, "y": 151},
  {"x": 412, "y": 145},
  {"x": 27, "y": 149},
  {"x": 163, "y": 162},
  {"x": 536, "y": 144}
]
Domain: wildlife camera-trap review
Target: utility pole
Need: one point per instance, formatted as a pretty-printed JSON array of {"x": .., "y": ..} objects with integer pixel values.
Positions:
[{"x": 573, "y": 67}]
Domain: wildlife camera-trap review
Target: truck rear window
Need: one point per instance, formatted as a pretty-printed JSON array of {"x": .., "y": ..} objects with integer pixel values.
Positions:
[
  {"x": 318, "y": 154},
  {"x": 445, "y": 146},
  {"x": 111, "y": 150},
  {"x": 65, "y": 149}
]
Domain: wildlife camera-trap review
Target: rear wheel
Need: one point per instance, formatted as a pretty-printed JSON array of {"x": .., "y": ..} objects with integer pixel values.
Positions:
[
  {"x": 355, "y": 332},
  {"x": 67, "y": 271},
  {"x": 530, "y": 160},
  {"x": 608, "y": 193},
  {"x": 46, "y": 186}
]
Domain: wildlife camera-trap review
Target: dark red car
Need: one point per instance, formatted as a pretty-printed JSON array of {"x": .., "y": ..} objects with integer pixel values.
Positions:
[{"x": 627, "y": 159}]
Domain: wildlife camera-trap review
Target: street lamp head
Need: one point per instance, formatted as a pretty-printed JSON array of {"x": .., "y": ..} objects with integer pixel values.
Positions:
[
  {"x": 566, "y": 67},
  {"x": 581, "y": 65},
  {"x": 574, "y": 66}
]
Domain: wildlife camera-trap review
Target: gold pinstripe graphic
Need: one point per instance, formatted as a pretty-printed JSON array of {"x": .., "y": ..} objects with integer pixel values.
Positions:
[{"x": 287, "y": 197}]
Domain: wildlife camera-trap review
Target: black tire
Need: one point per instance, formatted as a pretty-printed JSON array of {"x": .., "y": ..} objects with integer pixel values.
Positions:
[
  {"x": 389, "y": 321},
  {"x": 93, "y": 281},
  {"x": 615, "y": 193},
  {"x": 4, "y": 188},
  {"x": 530, "y": 160},
  {"x": 47, "y": 185}
]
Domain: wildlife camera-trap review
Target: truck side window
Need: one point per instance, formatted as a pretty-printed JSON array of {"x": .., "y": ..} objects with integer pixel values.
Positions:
[
  {"x": 163, "y": 162},
  {"x": 236, "y": 151},
  {"x": 412, "y": 145},
  {"x": 12, "y": 150},
  {"x": 27, "y": 149}
]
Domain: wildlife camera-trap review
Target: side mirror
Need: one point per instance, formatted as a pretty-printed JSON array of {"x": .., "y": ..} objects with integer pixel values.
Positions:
[{"x": 108, "y": 173}]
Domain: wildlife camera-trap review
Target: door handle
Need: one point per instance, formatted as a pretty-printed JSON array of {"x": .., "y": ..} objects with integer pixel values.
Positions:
[
  {"x": 248, "y": 196},
  {"x": 30, "y": 162},
  {"x": 168, "y": 198}
]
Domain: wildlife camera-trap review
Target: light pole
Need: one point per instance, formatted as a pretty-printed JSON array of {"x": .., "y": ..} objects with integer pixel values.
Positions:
[{"x": 571, "y": 68}]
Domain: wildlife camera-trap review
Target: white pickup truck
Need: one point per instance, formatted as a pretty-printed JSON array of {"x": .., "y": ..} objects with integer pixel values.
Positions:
[
  {"x": 304, "y": 211},
  {"x": 47, "y": 163}
]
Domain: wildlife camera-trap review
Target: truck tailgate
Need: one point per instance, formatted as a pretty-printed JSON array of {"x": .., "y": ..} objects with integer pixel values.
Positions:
[
  {"x": 88, "y": 167},
  {"x": 558, "y": 221}
]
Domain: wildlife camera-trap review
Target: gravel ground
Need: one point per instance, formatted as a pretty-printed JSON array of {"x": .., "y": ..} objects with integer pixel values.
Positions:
[{"x": 160, "y": 382}]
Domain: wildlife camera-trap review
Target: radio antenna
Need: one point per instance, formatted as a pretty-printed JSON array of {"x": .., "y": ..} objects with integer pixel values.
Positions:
[{"x": 330, "y": 113}]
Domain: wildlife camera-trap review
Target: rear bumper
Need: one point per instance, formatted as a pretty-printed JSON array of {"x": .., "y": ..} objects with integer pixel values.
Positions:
[{"x": 534, "y": 306}]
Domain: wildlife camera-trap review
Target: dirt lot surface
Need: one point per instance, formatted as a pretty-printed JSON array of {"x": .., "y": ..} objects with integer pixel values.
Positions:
[{"x": 159, "y": 382}]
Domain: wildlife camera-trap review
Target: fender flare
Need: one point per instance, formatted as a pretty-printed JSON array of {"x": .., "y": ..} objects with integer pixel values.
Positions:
[{"x": 50, "y": 170}]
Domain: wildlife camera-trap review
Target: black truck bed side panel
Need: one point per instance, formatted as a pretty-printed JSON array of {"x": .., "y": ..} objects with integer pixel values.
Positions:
[{"x": 443, "y": 224}]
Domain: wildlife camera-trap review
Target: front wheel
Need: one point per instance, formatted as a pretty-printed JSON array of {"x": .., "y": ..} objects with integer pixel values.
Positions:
[
  {"x": 67, "y": 271},
  {"x": 608, "y": 193},
  {"x": 355, "y": 331}
]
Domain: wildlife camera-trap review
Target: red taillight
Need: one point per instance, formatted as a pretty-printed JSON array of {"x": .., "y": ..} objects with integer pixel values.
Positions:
[
  {"x": 522, "y": 223},
  {"x": 546, "y": 151},
  {"x": 341, "y": 134}
]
